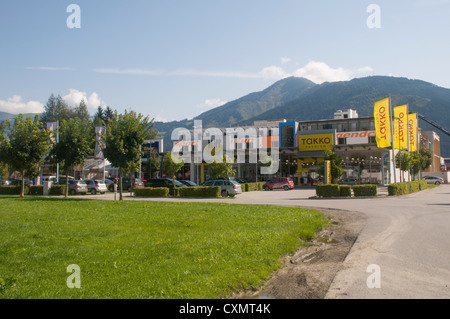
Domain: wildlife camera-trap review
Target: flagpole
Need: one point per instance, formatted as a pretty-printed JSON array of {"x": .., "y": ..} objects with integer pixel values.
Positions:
[
  {"x": 391, "y": 115},
  {"x": 57, "y": 141}
]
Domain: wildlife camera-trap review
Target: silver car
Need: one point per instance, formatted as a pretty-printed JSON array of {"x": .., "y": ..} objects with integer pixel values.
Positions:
[
  {"x": 434, "y": 180},
  {"x": 232, "y": 187},
  {"x": 96, "y": 186},
  {"x": 77, "y": 187}
]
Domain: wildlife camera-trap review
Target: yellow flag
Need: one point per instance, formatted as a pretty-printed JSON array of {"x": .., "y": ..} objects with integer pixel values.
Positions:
[
  {"x": 400, "y": 127},
  {"x": 382, "y": 123},
  {"x": 412, "y": 129}
]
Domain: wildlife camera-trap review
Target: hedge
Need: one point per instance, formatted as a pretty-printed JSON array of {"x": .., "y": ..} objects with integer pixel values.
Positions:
[
  {"x": 57, "y": 190},
  {"x": 365, "y": 190},
  {"x": 345, "y": 190},
  {"x": 37, "y": 190},
  {"x": 405, "y": 188},
  {"x": 152, "y": 191},
  {"x": 200, "y": 191},
  {"x": 328, "y": 190},
  {"x": 249, "y": 187},
  {"x": 12, "y": 190}
]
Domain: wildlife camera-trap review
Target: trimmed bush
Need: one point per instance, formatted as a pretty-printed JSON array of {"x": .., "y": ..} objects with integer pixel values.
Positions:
[
  {"x": 331, "y": 190},
  {"x": 249, "y": 187},
  {"x": 152, "y": 191},
  {"x": 11, "y": 190},
  {"x": 37, "y": 190},
  {"x": 345, "y": 190},
  {"x": 57, "y": 190},
  {"x": 405, "y": 188},
  {"x": 365, "y": 190},
  {"x": 200, "y": 191}
]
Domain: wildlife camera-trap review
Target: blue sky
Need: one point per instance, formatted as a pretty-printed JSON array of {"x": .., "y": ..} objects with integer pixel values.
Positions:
[{"x": 175, "y": 59}]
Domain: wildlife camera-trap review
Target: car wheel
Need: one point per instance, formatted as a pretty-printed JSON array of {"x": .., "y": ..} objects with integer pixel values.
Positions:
[
  {"x": 438, "y": 183},
  {"x": 72, "y": 192},
  {"x": 93, "y": 191},
  {"x": 224, "y": 193},
  {"x": 267, "y": 188},
  {"x": 286, "y": 188}
]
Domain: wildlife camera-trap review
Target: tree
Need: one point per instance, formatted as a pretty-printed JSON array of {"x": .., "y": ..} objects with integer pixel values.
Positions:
[
  {"x": 73, "y": 147},
  {"x": 153, "y": 164},
  {"x": 25, "y": 146},
  {"x": 222, "y": 169},
  {"x": 56, "y": 109},
  {"x": 98, "y": 117},
  {"x": 171, "y": 166},
  {"x": 81, "y": 111},
  {"x": 125, "y": 134},
  {"x": 336, "y": 164},
  {"x": 403, "y": 160},
  {"x": 108, "y": 114}
]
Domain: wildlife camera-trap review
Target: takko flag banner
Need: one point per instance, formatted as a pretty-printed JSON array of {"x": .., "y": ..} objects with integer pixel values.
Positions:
[
  {"x": 99, "y": 142},
  {"x": 400, "y": 127},
  {"x": 382, "y": 123},
  {"x": 52, "y": 127},
  {"x": 412, "y": 129}
]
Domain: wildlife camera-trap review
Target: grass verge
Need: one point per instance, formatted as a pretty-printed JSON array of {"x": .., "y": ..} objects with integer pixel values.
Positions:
[{"x": 141, "y": 249}]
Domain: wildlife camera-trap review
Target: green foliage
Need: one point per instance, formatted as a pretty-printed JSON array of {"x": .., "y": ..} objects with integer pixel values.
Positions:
[
  {"x": 152, "y": 191},
  {"x": 249, "y": 187},
  {"x": 12, "y": 190},
  {"x": 345, "y": 191},
  {"x": 336, "y": 165},
  {"x": 171, "y": 167},
  {"x": 222, "y": 169},
  {"x": 331, "y": 190},
  {"x": 36, "y": 190},
  {"x": 365, "y": 190},
  {"x": 200, "y": 191},
  {"x": 125, "y": 134},
  {"x": 57, "y": 190},
  {"x": 405, "y": 188},
  {"x": 25, "y": 146},
  {"x": 403, "y": 160}
]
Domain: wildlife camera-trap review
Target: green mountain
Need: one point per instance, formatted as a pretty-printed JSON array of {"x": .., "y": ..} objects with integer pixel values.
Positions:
[{"x": 257, "y": 103}]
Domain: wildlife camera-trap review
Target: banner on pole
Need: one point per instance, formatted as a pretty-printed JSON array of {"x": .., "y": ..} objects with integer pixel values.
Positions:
[
  {"x": 400, "y": 127},
  {"x": 99, "y": 142},
  {"x": 412, "y": 129},
  {"x": 382, "y": 123}
]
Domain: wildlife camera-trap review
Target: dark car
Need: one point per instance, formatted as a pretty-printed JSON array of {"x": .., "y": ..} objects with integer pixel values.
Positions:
[
  {"x": 127, "y": 184},
  {"x": 188, "y": 183},
  {"x": 163, "y": 182},
  {"x": 285, "y": 183},
  {"x": 18, "y": 181}
]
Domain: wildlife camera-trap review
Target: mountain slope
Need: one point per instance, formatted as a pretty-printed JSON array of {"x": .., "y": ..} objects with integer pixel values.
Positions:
[{"x": 256, "y": 103}]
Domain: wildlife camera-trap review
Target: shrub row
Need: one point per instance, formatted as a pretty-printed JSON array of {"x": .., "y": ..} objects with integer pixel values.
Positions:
[
  {"x": 249, "y": 187},
  {"x": 405, "y": 188},
  {"x": 32, "y": 190},
  {"x": 36, "y": 190},
  {"x": 200, "y": 191},
  {"x": 12, "y": 190},
  {"x": 335, "y": 190}
]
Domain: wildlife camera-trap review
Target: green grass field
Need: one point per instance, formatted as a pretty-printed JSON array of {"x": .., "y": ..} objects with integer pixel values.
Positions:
[{"x": 143, "y": 249}]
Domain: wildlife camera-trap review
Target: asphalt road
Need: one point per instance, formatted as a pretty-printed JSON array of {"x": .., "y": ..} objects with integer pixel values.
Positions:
[{"x": 407, "y": 238}]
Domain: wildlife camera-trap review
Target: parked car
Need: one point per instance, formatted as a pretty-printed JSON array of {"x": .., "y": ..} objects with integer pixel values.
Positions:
[
  {"x": 163, "y": 182},
  {"x": 434, "y": 180},
  {"x": 77, "y": 187},
  {"x": 109, "y": 182},
  {"x": 243, "y": 180},
  {"x": 96, "y": 186},
  {"x": 4, "y": 182},
  {"x": 232, "y": 187},
  {"x": 348, "y": 181},
  {"x": 18, "y": 181},
  {"x": 188, "y": 183},
  {"x": 127, "y": 184},
  {"x": 285, "y": 183}
]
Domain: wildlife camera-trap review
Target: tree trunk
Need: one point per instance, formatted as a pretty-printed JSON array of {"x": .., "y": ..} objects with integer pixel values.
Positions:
[
  {"x": 66, "y": 193},
  {"x": 22, "y": 185},
  {"x": 120, "y": 185}
]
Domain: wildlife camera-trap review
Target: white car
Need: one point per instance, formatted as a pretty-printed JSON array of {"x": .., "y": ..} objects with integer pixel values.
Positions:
[
  {"x": 96, "y": 186},
  {"x": 434, "y": 180}
]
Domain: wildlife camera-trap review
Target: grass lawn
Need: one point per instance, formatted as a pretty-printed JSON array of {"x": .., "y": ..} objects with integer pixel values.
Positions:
[{"x": 143, "y": 249}]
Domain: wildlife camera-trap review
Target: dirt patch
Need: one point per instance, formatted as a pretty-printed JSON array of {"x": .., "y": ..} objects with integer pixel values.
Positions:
[{"x": 309, "y": 272}]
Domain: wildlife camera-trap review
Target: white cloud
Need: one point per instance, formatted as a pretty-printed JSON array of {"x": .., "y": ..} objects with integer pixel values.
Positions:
[
  {"x": 273, "y": 72},
  {"x": 319, "y": 72},
  {"x": 16, "y": 105},
  {"x": 285, "y": 60},
  {"x": 74, "y": 98}
]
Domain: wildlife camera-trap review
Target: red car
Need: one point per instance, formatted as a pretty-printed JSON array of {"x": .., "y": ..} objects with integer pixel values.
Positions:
[{"x": 285, "y": 183}]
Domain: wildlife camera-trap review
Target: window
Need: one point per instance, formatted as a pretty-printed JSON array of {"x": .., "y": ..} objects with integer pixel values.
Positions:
[
  {"x": 342, "y": 141},
  {"x": 287, "y": 136}
]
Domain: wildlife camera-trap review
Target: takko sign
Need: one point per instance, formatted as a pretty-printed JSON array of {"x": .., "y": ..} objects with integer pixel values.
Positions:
[
  {"x": 315, "y": 142},
  {"x": 382, "y": 123}
]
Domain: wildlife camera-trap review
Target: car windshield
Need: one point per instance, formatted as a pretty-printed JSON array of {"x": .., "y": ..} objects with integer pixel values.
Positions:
[
  {"x": 178, "y": 183},
  {"x": 82, "y": 182},
  {"x": 99, "y": 182}
]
